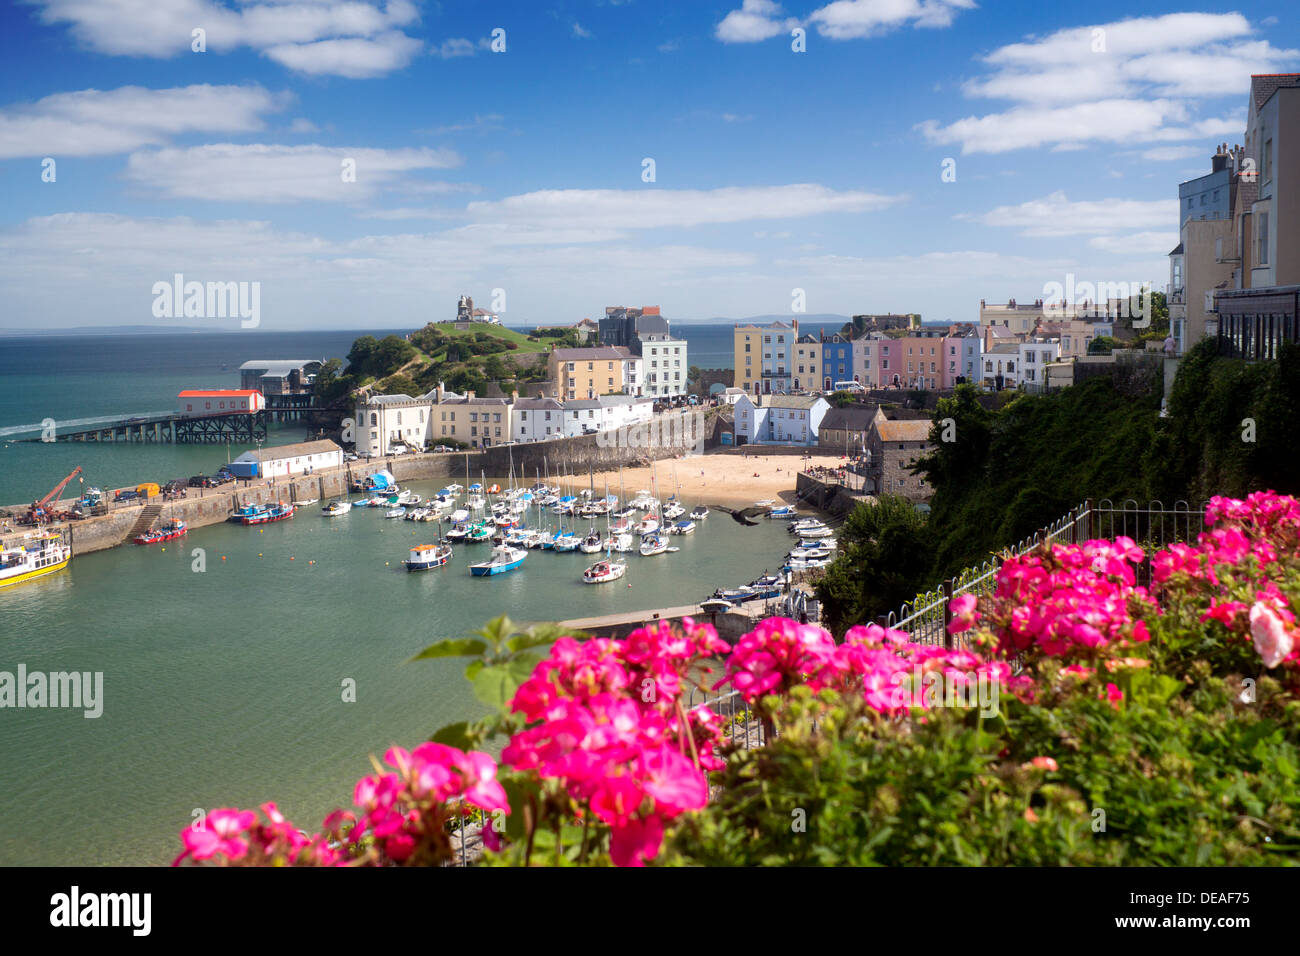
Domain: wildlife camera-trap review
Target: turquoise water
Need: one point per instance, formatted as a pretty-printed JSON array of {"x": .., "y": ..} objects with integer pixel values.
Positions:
[{"x": 224, "y": 687}]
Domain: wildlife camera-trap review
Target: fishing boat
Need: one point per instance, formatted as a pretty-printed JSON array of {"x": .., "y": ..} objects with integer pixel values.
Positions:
[
  {"x": 479, "y": 533},
  {"x": 682, "y": 527},
  {"x": 336, "y": 508},
  {"x": 280, "y": 511},
  {"x": 785, "y": 511},
  {"x": 398, "y": 512},
  {"x": 804, "y": 564},
  {"x": 816, "y": 532},
  {"x": 408, "y": 498},
  {"x": 700, "y": 513},
  {"x": 592, "y": 543},
  {"x": 43, "y": 555},
  {"x": 504, "y": 558},
  {"x": 603, "y": 571},
  {"x": 175, "y": 528},
  {"x": 244, "y": 512},
  {"x": 426, "y": 556},
  {"x": 653, "y": 544},
  {"x": 802, "y": 554}
]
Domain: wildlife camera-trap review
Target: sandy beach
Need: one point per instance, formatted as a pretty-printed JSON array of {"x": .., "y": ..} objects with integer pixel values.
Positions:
[{"x": 730, "y": 480}]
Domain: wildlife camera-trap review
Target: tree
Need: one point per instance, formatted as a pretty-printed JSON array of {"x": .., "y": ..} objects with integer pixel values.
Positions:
[
  {"x": 402, "y": 385},
  {"x": 842, "y": 399},
  {"x": 886, "y": 556},
  {"x": 361, "y": 358},
  {"x": 1103, "y": 345}
]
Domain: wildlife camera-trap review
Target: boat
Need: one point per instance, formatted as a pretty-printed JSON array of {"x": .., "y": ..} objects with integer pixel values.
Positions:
[
  {"x": 277, "y": 512},
  {"x": 785, "y": 511},
  {"x": 716, "y": 605},
  {"x": 479, "y": 532},
  {"x": 398, "y": 512},
  {"x": 44, "y": 555},
  {"x": 822, "y": 532},
  {"x": 623, "y": 513},
  {"x": 804, "y": 564},
  {"x": 494, "y": 489},
  {"x": 592, "y": 544},
  {"x": 673, "y": 512},
  {"x": 765, "y": 502},
  {"x": 426, "y": 556},
  {"x": 175, "y": 528},
  {"x": 459, "y": 515},
  {"x": 765, "y": 581},
  {"x": 830, "y": 544},
  {"x": 336, "y": 508},
  {"x": 682, "y": 527},
  {"x": 603, "y": 571},
  {"x": 304, "y": 502},
  {"x": 408, "y": 498},
  {"x": 801, "y": 554},
  {"x": 700, "y": 513},
  {"x": 504, "y": 558},
  {"x": 454, "y": 489},
  {"x": 244, "y": 512},
  {"x": 653, "y": 544},
  {"x": 643, "y": 500},
  {"x": 458, "y": 532},
  {"x": 648, "y": 525},
  {"x": 565, "y": 541},
  {"x": 621, "y": 542}
]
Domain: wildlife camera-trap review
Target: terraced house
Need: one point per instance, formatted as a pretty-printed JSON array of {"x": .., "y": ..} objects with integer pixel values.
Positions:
[
  {"x": 763, "y": 357},
  {"x": 592, "y": 372}
]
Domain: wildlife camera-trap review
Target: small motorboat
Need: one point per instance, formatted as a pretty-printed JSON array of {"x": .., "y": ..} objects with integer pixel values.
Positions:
[
  {"x": 408, "y": 498},
  {"x": 716, "y": 605},
  {"x": 673, "y": 512},
  {"x": 803, "y": 554},
  {"x": 566, "y": 541},
  {"x": 458, "y": 533},
  {"x": 623, "y": 513},
  {"x": 479, "y": 533},
  {"x": 336, "y": 508},
  {"x": 653, "y": 544},
  {"x": 494, "y": 489},
  {"x": 280, "y": 511},
  {"x": 785, "y": 511},
  {"x": 648, "y": 525},
  {"x": 459, "y": 515},
  {"x": 763, "y": 582},
  {"x": 700, "y": 513},
  {"x": 622, "y": 542},
  {"x": 804, "y": 564},
  {"x": 426, "y": 556},
  {"x": 682, "y": 527},
  {"x": 504, "y": 558},
  {"x": 168, "y": 531},
  {"x": 243, "y": 512},
  {"x": 592, "y": 543},
  {"x": 454, "y": 488},
  {"x": 603, "y": 571},
  {"x": 830, "y": 544},
  {"x": 822, "y": 532},
  {"x": 398, "y": 512},
  {"x": 304, "y": 502}
]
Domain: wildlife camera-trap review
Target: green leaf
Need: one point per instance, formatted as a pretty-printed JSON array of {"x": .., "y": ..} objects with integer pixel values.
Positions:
[
  {"x": 454, "y": 735},
  {"x": 465, "y": 647},
  {"x": 495, "y": 684}
]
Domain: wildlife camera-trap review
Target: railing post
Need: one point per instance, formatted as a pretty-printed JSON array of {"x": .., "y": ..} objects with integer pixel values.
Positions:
[{"x": 947, "y": 612}]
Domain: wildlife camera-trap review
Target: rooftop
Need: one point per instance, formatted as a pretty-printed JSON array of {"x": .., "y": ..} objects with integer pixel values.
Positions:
[
  {"x": 300, "y": 450},
  {"x": 790, "y": 401},
  {"x": 597, "y": 353},
  {"x": 915, "y": 430}
]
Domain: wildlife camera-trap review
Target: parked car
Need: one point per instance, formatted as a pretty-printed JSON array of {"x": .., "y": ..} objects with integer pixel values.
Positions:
[
  {"x": 199, "y": 481},
  {"x": 127, "y": 494},
  {"x": 442, "y": 448},
  {"x": 349, "y": 457},
  {"x": 222, "y": 478}
]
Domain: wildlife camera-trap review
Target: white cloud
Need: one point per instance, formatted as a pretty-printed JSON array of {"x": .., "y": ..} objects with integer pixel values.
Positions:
[
  {"x": 262, "y": 173},
  {"x": 100, "y": 122},
  {"x": 354, "y": 57},
  {"x": 654, "y": 208},
  {"x": 1165, "y": 154},
  {"x": 352, "y": 38},
  {"x": 669, "y": 46},
  {"x": 457, "y": 46},
  {"x": 1139, "y": 243},
  {"x": 854, "y": 19},
  {"x": 581, "y": 33},
  {"x": 756, "y": 20},
  {"x": 482, "y": 123},
  {"x": 1057, "y": 215},
  {"x": 302, "y": 125},
  {"x": 1145, "y": 77}
]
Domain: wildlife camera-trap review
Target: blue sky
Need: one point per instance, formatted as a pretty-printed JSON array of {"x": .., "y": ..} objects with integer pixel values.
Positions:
[{"x": 1070, "y": 126}]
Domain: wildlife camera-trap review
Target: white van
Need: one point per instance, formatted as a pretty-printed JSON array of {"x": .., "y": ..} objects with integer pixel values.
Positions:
[{"x": 848, "y": 387}]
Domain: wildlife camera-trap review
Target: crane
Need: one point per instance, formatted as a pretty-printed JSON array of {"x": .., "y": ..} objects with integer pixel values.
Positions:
[{"x": 37, "y": 510}]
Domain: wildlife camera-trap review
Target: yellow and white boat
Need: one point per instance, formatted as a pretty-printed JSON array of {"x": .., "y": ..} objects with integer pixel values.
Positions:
[{"x": 44, "y": 555}]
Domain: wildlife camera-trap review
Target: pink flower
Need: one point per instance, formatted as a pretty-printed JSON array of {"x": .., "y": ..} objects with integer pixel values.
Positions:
[
  {"x": 964, "y": 614},
  {"x": 1269, "y": 633},
  {"x": 636, "y": 841},
  {"x": 1112, "y": 694},
  {"x": 1045, "y": 763}
]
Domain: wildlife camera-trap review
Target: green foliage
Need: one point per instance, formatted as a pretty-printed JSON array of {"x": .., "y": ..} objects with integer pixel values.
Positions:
[
  {"x": 401, "y": 385},
  {"x": 1182, "y": 773},
  {"x": 331, "y": 385},
  {"x": 842, "y": 399},
  {"x": 1103, "y": 345},
  {"x": 379, "y": 359},
  {"x": 885, "y": 549}
]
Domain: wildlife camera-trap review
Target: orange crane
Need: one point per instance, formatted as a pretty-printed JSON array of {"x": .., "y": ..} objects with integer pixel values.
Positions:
[{"x": 37, "y": 512}]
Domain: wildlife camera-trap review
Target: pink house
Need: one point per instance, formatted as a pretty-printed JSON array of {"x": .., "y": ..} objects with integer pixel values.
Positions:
[{"x": 927, "y": 359}]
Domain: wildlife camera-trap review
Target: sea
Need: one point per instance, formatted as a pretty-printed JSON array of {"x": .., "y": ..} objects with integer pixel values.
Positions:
[{"x": 244, "y": 665}]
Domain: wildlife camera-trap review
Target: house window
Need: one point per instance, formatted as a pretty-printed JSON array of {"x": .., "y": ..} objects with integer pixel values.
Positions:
[{"x": 1263, "y": 239}]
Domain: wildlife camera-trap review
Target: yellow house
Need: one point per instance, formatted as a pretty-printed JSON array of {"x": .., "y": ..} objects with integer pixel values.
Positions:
[{"x": 589, "y": 372}]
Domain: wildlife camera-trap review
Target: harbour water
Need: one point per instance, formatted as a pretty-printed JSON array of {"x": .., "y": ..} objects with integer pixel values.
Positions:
[{"x": 225, "y": 687}]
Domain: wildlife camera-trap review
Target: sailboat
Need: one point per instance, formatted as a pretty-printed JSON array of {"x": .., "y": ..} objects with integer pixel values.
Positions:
[
  {"x": 603, "y": 571},
  {"x": 592, "y": 544}
]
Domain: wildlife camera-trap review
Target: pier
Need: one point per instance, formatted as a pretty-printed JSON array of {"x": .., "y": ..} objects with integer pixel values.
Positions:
[{"x": 172, "y": 428}]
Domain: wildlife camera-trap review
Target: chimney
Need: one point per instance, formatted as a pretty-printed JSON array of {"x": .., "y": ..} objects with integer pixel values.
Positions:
[
  {"x": 469, "y": 394},
  {"x": 440, "y": 392},
  {"x": 514, "y": 396}
]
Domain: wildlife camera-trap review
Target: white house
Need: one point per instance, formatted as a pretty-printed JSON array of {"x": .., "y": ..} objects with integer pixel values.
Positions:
[
  {"x": 1003, "y": 359},
  {"x": 386, "y": 420},
  {"x": 283, "y": 460},
  {"x": 1034, "y": 358},
  {"x": 537, "y": 419},
  {"x": 587, "y": 415},
  {"x": 779, "y": 419},
  {"x": 664, "y": 366},
  {"x": 731, "y": 395}
]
